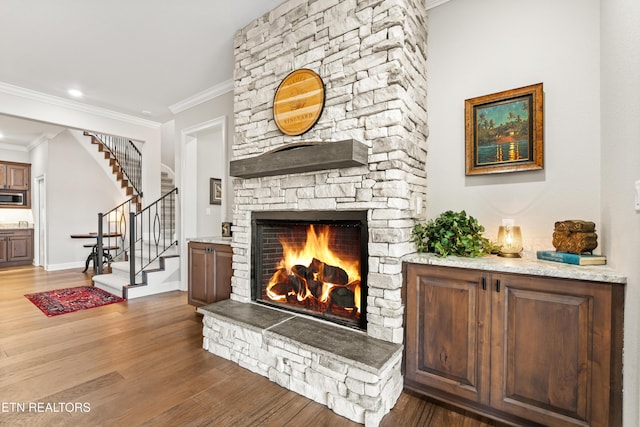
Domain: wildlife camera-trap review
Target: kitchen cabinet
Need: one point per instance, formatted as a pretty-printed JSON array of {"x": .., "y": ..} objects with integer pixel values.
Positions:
[
  {"x": 15, "y": 176},
  {"x": 518, "y": 348},
  {"x": 16, "y": 247},
  {"x": 210, "y": 271},
  {"x": 15, "y": 185}
]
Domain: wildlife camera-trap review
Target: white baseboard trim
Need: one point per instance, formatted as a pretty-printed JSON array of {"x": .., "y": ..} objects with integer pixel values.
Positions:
[{"x": 64, "y": 266}]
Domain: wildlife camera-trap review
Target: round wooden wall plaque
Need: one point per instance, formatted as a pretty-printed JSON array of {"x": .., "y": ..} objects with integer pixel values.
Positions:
[{"x": 298, "y": 102}]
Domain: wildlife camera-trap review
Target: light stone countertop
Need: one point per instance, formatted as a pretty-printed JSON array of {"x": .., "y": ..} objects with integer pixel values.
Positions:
[
  {"x": 15, "y": 226},
  {"x": 534, "y": 267},
  {"x": 218, "y": 240}
]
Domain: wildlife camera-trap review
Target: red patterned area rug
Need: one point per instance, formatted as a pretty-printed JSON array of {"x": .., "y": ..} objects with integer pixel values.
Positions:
[{"x": 62, "y": 301}]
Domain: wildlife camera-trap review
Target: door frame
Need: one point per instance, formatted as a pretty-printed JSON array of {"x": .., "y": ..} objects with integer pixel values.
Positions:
[
  {"x": 188, "y": 189},
  {"x": 40, "y": 222}
]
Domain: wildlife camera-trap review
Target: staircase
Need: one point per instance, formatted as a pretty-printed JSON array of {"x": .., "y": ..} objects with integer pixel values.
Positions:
[
  {"x": 125, "y": 161},
  {"x": 162, "y": 275},
  {"x": 152, "y": 265}
]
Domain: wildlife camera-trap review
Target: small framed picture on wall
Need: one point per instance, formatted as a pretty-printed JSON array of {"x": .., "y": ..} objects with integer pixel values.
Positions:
[
  {"x": 215, "y": 191},
  {"x": 504, "y": 131}
]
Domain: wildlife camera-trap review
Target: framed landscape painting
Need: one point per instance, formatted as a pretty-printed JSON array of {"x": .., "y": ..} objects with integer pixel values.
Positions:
[{"x": 504, "y": 131}]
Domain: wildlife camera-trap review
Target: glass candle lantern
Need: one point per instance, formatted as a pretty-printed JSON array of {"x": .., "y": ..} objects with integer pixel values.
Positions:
[{"x": 510, "y": 241}]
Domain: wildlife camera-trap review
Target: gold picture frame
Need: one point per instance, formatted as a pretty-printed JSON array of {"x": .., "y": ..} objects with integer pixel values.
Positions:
[{"x": 504, "y": 131}]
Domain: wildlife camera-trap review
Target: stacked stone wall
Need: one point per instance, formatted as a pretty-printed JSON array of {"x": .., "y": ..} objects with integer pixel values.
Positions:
[{"x": 371, "y": 55}]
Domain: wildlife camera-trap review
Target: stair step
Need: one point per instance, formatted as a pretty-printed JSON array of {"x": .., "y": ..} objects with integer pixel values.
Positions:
[
  {"x": 154, "y": 280},
  {"x": 115, "y": 167},
  {"x": 110, "y": 283},
  {"x": 121, "y": 268}
]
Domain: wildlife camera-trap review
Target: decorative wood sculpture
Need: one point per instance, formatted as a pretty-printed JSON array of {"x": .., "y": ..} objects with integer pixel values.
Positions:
[
  {"x": 575, "y": 236},
  {"x": 298, "y": 102}
]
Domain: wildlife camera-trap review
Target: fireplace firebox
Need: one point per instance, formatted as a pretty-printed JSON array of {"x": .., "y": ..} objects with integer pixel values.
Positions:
[{"x": 312, "y": 262}]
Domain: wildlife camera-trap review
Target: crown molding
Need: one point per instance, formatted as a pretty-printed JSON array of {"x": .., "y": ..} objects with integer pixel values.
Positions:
[
  {"x": 36, "y": 142},
  {"x": 13, "y": 147},
  {"x": 74, "y": 105},
  {"x": 199, "y": 98},
  {"x": 430, "y": 4}
]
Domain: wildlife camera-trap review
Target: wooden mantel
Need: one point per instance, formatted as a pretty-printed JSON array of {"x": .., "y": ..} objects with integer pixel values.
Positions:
[{"x": 302, "y": 157}]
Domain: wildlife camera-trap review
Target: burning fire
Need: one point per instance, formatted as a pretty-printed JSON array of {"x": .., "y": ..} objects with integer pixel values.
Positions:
[{"x": 314, "y": 272}]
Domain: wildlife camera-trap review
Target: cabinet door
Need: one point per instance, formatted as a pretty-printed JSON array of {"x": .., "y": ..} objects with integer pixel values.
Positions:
[
  {"x": 18, "y": 176},
  {"x": 3, "y": 249},
  {"x": 447, "y": 332},
  {"x": 3, "y": 175},
  {"x": 199, "y": 261},
  {"x": 223, "y": 272},
  {"x": 20, "y": 248},
  {"x": 547, "y": 363}
]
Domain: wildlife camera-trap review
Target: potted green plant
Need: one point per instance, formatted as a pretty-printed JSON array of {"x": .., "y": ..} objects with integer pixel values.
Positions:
[{"x": 452, "y": 233}]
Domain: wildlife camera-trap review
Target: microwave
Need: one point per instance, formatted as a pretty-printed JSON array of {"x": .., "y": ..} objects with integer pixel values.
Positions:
[{"x": 13, "y": 198}]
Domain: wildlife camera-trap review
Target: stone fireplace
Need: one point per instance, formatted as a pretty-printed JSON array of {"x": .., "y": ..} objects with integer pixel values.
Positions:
[
  {"x": 312, "y": 262},
  {"x": 371, "y": 56}
]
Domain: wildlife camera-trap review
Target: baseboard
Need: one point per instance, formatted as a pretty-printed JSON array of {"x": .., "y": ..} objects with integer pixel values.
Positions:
[{"x": 64, "y": 266}]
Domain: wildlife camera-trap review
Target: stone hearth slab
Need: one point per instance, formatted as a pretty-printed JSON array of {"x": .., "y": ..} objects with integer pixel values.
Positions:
[
  {"x": 356, "y": 376},
  {"x": 254, "y": 315},
  {"x": 338, "y": 342}
]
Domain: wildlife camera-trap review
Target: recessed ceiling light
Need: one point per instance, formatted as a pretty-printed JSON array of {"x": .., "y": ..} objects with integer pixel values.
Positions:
[
  {"x": 1, "y": 136},
  {"x": 146, "y": 112},
  {"x": 75, "y": 93}
]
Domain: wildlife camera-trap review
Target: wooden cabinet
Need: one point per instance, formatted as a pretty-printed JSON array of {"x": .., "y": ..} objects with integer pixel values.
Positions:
[
  {"x": 4, "y": 250},
  {"x": 518, "y": 348},
  {"x": 15, "y": 176},
  {"x": 15, "y": 181},
  {"x": 210, "y": 272},
  {"x": 16, "y": 247}
]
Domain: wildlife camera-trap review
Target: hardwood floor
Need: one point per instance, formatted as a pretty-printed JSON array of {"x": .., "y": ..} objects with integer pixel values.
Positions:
[{"x": 140, "y": 363}]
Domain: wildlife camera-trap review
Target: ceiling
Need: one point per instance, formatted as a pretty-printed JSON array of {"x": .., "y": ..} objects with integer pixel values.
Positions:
[{"x": 132, "y": 57}]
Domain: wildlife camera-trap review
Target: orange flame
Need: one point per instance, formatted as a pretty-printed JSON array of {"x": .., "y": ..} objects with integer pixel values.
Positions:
[{"x": 316, "y": 247}]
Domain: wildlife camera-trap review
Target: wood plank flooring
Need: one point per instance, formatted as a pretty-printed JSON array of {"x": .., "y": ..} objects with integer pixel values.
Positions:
[{"x": 141, "y": 363}]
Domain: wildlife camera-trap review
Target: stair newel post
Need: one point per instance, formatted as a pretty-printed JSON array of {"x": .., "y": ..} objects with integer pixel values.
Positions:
[
  {"x": 99, "y": 245},
  {"x": 132, "y": 248}
]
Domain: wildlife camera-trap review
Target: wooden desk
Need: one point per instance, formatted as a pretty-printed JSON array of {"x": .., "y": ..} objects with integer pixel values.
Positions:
[{"x": 93, "y": 256}]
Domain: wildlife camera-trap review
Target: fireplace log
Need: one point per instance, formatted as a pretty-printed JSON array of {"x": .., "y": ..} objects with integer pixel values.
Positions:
[
  {"x": 329, "y": 273},
  {"x": 300, "y": 278},
  {"x": 343, "y": 297},
  {"x": 282, "y": 288},
  {"x": 283, "y": 282}
]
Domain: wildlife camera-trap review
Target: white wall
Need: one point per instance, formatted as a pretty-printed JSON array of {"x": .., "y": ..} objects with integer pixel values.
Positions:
[
  {"x": 215, "y": 112},
  {"x": 478, "y": 48},
  {"x": 17, "y": 154},
  {"x": 220, "y": 107},
  {"x": 586, "y": 52},
  {"x": 76, "y": 191},
  {"x": 168, "y": 144},
  {"x": 210, "y": 164},
  {"x": 620, "y": 151},
  {"x": 74, "y": 115}
]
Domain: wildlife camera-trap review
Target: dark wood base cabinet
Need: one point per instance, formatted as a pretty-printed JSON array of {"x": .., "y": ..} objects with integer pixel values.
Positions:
[
  {"x": 525, "y": 350},
  {"x": 210, "y": 272},
  {"x": 16, "y": 247}
]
